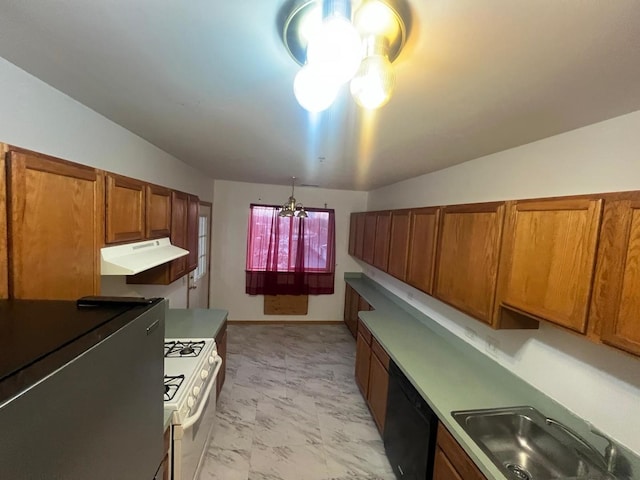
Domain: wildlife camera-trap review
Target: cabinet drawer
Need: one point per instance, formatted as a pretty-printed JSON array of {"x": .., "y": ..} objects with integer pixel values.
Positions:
[
  {"x": 364, "y": 331},
  {"x": 380, "y": 352}
]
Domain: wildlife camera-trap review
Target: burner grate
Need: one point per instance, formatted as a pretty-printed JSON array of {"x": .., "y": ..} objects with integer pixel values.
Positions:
[
  {"x": 171, "y": 385},
  {"x": 186, "y": 348}
]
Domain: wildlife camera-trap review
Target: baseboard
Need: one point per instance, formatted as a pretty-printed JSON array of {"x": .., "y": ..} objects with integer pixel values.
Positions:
[{"x": 285, "y": 322}]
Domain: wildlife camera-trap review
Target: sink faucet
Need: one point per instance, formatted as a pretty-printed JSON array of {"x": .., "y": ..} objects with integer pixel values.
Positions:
[{"x": 610, "y": 452}]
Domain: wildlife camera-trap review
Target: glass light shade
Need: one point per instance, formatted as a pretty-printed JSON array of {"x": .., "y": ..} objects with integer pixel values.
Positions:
[
  {"x": 313, "y": 89},
  {"x": 374, "y": 82},
  {"x": 336, "y": 48}
]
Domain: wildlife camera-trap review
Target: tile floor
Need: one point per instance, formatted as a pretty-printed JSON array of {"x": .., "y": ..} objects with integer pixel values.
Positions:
[{"x": 290, "y": 409}]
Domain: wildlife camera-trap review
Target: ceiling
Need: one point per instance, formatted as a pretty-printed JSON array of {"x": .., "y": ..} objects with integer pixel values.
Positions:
[{"x": 211, "y": 83}]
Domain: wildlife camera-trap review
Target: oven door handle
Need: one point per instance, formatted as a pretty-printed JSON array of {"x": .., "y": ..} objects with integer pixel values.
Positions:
[{"x": 191, "y": 419}]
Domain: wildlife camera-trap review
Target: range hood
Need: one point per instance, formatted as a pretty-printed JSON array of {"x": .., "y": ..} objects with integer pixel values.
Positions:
[{"x": 137, "y": 257}]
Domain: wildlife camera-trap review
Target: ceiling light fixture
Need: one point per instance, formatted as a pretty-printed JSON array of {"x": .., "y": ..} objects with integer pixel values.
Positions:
[
  {"x": 335, "y": 46},
  {"x": 290, "y": 208}
]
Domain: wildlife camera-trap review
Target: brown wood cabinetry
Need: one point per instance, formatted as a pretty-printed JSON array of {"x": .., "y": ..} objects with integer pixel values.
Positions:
[
  {"x": 358, "y": 237},
  {"x": 353, "y": 303},
  {"x": 451, "y": 461},
  {"x": 158, "y": 211},
  {"x": 221, "y": 344},
  {"x": 547, "y": 260},
  {"x": 369, "y": 237},
  {"x": 183, "y": 235},
  {"x": 372, "y": 374},
  {"x": 193, "y": 209},
  {"x": 423, "y": 235},
  {"x": 164, "y": 471},
  {"x": 4, "y": 259},
  {"x": 125, "y": 209},
  {"x": 56, "y": 227},
  {"x": 399, "y": 244},
  {"x": 352, "y": 233},
  {"x": 467, "y": 259},
  {"x": 381, "y": 244},
  {"x": 616, "y": 299}
]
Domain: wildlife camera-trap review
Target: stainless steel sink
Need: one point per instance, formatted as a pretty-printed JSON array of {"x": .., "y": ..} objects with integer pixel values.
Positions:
[{"x": 521, "y": 442}]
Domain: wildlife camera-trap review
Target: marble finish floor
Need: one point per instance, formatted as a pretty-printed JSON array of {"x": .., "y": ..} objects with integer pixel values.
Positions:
[{"x": 290, "y": 409}]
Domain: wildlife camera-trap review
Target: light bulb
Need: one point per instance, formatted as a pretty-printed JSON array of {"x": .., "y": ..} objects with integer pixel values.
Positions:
[
  {"x": 374, "y": 82},
  {"x": 314, "y": 90},
  {"x": 336, "y": 48}
]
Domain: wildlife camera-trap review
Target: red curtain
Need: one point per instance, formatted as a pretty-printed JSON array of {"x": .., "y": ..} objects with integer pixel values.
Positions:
[{"x": 290, "y": 255}]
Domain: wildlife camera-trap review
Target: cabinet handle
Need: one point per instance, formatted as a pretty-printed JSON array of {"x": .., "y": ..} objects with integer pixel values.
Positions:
[{"x": 152, "y": 327}]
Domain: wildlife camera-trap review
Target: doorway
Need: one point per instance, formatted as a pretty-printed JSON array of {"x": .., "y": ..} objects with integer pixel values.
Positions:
[{"x": 199, "y": 279}]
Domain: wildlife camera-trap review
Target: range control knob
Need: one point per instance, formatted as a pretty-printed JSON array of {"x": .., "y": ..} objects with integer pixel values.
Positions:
[
  {"x": 204, "y": 374},
  {"x": 196, "y": 391},
  {"x": 190, "y": 401},
  {"x": 212, "y": 360}
]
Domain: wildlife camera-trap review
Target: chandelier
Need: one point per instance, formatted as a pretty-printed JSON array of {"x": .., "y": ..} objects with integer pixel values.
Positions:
[
  {"x": 340, "y": 41},
  {"x": 290, "y": 208}
]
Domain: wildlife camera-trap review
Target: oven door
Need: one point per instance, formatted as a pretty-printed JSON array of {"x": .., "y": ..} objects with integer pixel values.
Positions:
[{"x": 190, "y": 438}]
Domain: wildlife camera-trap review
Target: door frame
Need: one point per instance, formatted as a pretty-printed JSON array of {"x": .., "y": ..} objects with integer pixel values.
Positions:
[{"x": 210, "y": 206}]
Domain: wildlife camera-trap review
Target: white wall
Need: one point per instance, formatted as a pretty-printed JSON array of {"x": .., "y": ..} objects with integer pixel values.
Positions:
[
  {"x": 596, "y": 382},
  {"x": 41, "y": 118},
  {"x": 230, "y": 220}
]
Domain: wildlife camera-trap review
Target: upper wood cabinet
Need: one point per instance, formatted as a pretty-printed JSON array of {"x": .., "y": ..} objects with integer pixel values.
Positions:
[
  {"x": 369, "y": 237},
  {"x": 423, "y": 236},
  {"x": 56, "y": 227},
  {"x": 358, "y": 237},
  {"x": 548, "y": 259},
  {"x": 4, "y": 259},
  {"x": 184, "y": 234},
  {"x": 468, "y": 254},
  {"x": 352, "y": 233},
  {"x": 125, "y": 209},
  {"x": 616, "y": 299},
  {"x": 381, "y": 246},
  {"x": 193, "y": 219},
  {"x": 399, "y": 244},
  {"x": 158, "y": 211}
]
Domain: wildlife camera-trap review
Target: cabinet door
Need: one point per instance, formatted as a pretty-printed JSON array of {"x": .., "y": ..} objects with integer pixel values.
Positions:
[
  {"x": 399, "y": 244},
  {"x": 378, "y": 386},
  {"x": 125, "y": 212},
  {"x": 352, "y": 234},
  {"x": 158, "y": 212},
  {"x": 192, "y": 232},
  {"x": 369, "y": 239},
  {"x": 381, "y": 248},
  {"x": 221, "y": 344},
  {"x": 467, "y": 264},
  {"x": 352, "y": 300},
  {"x": 458, "y": 463},
  {"x": 423, "y": 236},
  {"x": 616, "y": 303},
  {"x": 363, "y": 361},
  {"x": 179, "y": 214},
  {"x": 442, "y": 469},
  {"x": 4, "y": 269},
  {"x": 548, "y": 258},
  {"x": 56, "y": 227},
  {"x": 359, "y": 238}
]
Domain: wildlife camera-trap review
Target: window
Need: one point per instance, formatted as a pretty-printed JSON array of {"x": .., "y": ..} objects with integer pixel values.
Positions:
[
  {"x": 203, "y": 232},
  {"x": 289, "y": 255}
]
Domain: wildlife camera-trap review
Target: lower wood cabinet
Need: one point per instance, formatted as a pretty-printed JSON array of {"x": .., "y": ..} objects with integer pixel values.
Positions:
[
  {"x": 221, "y": 344},
  {"x": 372, "y": 374},
  {"x": 451, "y": 461},
  {"x": 353, "y": 303}
]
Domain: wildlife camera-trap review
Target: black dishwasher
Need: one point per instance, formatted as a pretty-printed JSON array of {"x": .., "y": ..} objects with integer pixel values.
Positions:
[{"x": 410, "y": 429}]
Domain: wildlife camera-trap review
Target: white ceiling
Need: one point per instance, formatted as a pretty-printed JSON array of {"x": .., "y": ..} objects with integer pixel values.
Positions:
[{"x": 211, "y": 83}]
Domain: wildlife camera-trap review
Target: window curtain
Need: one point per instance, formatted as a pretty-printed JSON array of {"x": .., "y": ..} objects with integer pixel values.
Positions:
[{"x": 290, "y": 255}]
